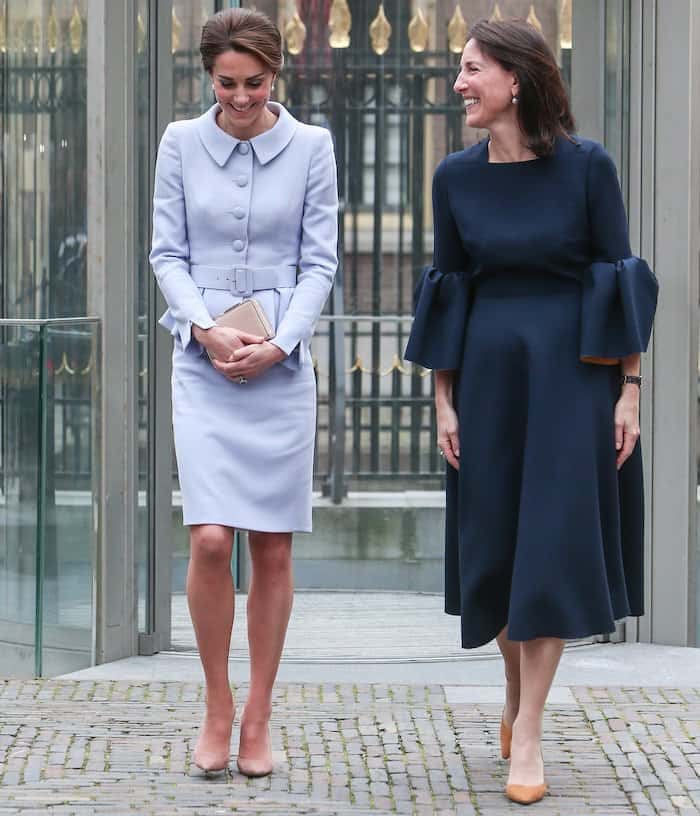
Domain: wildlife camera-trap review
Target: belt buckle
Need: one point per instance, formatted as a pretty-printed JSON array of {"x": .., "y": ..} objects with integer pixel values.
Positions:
[{"x": 242, "y": 283}]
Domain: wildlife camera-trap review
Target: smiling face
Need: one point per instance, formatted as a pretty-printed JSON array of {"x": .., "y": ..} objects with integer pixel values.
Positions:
[
  {"x": 486, "y": 87},
  {"x": 242, "y": 84}
]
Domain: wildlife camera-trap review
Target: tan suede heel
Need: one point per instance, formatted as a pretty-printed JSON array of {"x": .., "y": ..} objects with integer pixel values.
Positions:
[
  {"x": 506, "y": 739},
  {"x": 526, "y": 794}
]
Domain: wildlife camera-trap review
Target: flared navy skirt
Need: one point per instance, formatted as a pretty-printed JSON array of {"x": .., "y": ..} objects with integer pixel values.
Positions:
[{"x": 544, "y": 535}]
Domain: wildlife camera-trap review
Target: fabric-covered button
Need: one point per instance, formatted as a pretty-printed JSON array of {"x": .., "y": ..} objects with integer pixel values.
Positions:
[
  {"x": 238, "y": 245},
  {"x": 239, "y": 212},
  {"x": 241, "y": 181},
  {"x": 243, "y": 148}
]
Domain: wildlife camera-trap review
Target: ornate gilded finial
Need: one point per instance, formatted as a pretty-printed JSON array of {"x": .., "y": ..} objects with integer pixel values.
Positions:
[
  {"x": 565, "y": 40},
  {"x": 17, "y": 37},
  {"x": 36, "y": 35},
  {"x": 339, "y": 23},
  {"x": 75, "y": 30},
  {"x": 176, "y": 32},
  {"x": 457, "y": 31},
  {"x": 380, "y": 32},
  {"x": 52, "y": 30},
  {"x": 3, "y": 30},
  {"x": 140, "y": 34},
  {"x": 533, "y": 19},
  {"x": 418, "y": 32},
  {"x": 496, "y": 16},
  {"x": 295, "y": 34}
]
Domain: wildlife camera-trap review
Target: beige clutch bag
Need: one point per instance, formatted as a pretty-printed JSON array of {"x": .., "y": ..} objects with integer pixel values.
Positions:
[{"x": 247, "y": 316}]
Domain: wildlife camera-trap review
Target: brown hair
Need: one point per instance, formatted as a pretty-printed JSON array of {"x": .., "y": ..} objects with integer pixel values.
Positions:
[
  {"x": 241, "y": 30},
  {"x": 543, "y": 102}
]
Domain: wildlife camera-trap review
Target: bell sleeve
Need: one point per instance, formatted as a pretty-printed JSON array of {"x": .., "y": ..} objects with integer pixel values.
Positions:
[
  {"x": 441, "y": 296},
  {"x": 619, "y": 290}
]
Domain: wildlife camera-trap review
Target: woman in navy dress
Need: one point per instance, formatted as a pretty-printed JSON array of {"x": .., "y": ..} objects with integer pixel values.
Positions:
[{"x": 533, "y": 317}]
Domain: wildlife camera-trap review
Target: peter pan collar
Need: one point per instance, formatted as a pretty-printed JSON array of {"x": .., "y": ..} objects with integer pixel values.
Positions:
[{"x": 266, "y": 146}]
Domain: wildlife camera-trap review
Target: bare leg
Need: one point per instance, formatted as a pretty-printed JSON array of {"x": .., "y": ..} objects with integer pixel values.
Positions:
[
  {"x": 270, "y": 599},
  {"x": 211, "y": 602},
  {"x": 510, "y": 649},
  {"x": 538, "y": 663}
]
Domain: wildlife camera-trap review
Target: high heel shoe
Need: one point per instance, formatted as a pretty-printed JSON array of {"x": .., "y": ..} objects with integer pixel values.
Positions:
[
  {"x": 213, "y": 761},
  {"x": 526, "y": 794},
  {"x": 256, "y": 766},
  {"x": 506, "y": 735}
]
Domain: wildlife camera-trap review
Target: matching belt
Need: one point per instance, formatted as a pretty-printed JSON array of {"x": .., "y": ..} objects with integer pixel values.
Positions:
[{"x": 242, "y": 281}]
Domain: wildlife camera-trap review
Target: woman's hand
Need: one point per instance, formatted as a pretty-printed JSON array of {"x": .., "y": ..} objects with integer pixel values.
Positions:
[
  {"x": 250, "y": 361},
  {"x": 626, "y": 422},
  {"x": 222, "y": 342},
  {"x": 447, "y": 421}
]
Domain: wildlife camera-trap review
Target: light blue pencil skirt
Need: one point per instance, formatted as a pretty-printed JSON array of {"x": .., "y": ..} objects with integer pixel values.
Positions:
[{"x": 244, "y": 452}]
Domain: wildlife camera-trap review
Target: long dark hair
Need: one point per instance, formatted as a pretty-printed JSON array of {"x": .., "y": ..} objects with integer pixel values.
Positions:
[{"x": 543, "y": 103}]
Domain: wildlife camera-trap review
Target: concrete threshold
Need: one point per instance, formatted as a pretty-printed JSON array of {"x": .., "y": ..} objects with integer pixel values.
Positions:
[{"x": 607, "y": 664}]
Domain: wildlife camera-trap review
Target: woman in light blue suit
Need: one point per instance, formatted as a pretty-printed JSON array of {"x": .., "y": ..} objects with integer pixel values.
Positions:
[{"x": 245, "y": 205}]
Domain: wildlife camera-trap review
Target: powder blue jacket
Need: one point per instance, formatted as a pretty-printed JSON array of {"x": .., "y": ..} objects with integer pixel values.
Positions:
[{"x": 268, "y": 202}]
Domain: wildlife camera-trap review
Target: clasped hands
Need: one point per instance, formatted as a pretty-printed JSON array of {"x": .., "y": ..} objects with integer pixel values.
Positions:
[{"x": 238, "y": 354}]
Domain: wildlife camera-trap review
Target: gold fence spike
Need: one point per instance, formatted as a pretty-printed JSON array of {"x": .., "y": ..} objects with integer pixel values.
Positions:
[
  {"x": 533, "y": 19},
  {"x": 418, "y": 32},
  {"x": 396, "y": 365},
  {"x": 176, "y": 32},
  {"x": 380, "y": 32},
  {"x": 358, "y": 366},
  {"x": 3, "y": 30},
  {"x": 425, "y": 372},
  {"x": 36, "y": 35},
  {"x": 65, "y": 366},
  {"x": 295, "y": 34},
  {"x": 52, "y": 30},
  {"x": 75, "y": 30},
  {"x": 565, "y": 39},
  {"x": 457, "y": 31},
  {"x": 339, "y": 24},
  {"x": 496, "y": 15},
  {"x": 18, "y": 43},
  {"x": 140, "y": 34}
]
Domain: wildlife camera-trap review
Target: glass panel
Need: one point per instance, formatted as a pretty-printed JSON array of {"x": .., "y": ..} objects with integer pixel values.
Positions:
[
  {"x": 49, "y": 493},
  {"x": 19, "y": 415},
  {"x": 43, "y": 178},
  {"x": 617, "y": 86},
  {"x": 144, "y": 277},
  {"x": 70, "y": 497}
]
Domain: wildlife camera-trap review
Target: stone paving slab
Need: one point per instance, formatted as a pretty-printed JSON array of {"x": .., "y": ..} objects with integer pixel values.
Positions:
[{"x": 114, "y": 747}]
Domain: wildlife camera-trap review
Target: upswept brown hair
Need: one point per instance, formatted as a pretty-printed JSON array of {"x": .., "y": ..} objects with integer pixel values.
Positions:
[
  {"x": 234, "y": 29},
  {"x": 543, "y": 102}
]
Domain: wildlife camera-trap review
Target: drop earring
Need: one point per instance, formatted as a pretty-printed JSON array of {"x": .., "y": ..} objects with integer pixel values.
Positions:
[{"x": 515, "y": 100}]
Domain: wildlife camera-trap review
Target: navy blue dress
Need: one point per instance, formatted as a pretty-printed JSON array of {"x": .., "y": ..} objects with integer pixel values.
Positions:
[{"x": 532, "y": 279}]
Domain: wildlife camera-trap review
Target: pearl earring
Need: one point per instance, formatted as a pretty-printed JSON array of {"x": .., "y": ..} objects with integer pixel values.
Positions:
[{"x": 515, "y": 100}]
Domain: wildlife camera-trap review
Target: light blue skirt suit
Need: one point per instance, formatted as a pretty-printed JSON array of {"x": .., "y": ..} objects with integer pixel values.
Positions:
[{"x": 229, "y": 217}]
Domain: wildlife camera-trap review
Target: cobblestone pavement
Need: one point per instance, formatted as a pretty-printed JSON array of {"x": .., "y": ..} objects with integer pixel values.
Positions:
[{"x": 84, "y": 747}]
